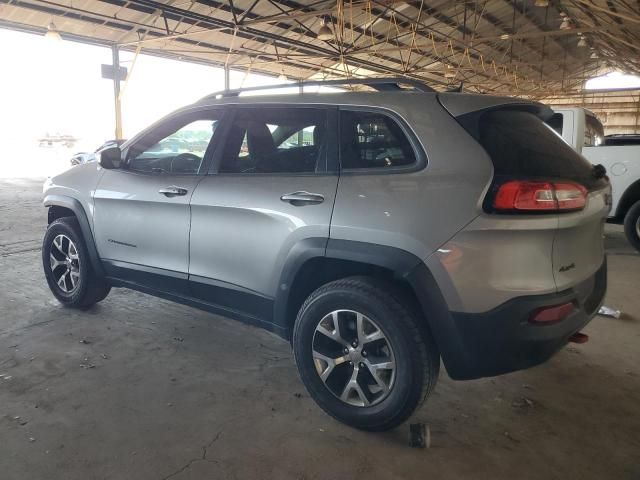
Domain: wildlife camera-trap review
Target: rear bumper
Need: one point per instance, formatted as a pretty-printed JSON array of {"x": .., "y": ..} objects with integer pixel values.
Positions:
[{"x": 502, "y": 340}]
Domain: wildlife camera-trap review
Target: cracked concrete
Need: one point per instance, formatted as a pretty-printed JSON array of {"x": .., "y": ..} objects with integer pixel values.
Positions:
[
  {"x": 222, "y": 402},
  {"x": 203, "y": 458}
]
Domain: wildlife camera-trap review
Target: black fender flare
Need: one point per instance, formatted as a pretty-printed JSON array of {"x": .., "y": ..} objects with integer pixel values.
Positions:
[
  {"x": 76, "y": 207},
  {"x": 399, "y": 261},
  {"x": 405, "y": 266},
  {"x": 396, "y": 260},
  {"x": 301, "y": 252},
  {"x": 410, "y": 268}
]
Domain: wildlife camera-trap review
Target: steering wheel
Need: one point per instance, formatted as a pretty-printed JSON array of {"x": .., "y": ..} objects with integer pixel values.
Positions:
[{"x": 186, "y": 158}]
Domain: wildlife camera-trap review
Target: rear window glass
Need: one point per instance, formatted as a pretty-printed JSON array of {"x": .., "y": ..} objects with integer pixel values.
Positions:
[
  {"x": 622, "y": 140},
  {"x": 521, "y": 145},
  {"x": 593, "y": 131}
]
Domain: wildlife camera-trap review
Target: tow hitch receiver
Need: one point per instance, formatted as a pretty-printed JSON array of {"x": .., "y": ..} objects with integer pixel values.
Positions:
[{"x": 579, "y": 338}]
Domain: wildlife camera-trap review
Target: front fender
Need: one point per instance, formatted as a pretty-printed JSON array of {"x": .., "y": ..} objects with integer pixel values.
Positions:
[{"x": 75, "y": 206}]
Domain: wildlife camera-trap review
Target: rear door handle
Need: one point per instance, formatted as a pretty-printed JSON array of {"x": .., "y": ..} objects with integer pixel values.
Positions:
[
  {"x": 173, "y": 191},
  {"x": 302, "y": 198}
]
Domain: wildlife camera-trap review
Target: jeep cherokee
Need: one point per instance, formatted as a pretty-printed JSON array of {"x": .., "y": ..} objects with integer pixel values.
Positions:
[{"x": 378, "y": 232}]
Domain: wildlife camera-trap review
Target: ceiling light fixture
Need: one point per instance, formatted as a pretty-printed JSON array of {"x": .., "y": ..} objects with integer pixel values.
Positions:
[
  {"x": 282, "y": 77},
  {"x": 594, "y": 55},
  {"x": 582, "y": 42},
  {"x": 449, "y": 72},
  {"x": 52, "y": 32},
  {"x": 325, "y": 33},
  {"x": 566, "y": 24},
  {"x": 541, "y": 3}
]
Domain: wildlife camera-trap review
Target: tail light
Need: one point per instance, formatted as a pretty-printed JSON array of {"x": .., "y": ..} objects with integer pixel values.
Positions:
[{"x": 532, "y": 196}]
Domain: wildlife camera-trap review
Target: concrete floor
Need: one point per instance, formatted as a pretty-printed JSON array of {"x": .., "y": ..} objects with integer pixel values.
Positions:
[{"x": 177, "y": 393}]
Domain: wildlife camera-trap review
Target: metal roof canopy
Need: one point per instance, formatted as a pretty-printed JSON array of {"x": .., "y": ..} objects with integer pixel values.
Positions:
[{"x": 501, "y": 46}]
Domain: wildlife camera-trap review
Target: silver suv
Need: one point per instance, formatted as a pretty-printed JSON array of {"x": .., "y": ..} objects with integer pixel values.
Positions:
[{"x": 376, "y": 231}]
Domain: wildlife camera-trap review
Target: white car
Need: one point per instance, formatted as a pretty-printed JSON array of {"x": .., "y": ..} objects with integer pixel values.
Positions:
[{"x": 619, "y": 154}]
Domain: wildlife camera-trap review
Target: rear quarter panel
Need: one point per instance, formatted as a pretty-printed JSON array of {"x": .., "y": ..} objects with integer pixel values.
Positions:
[
  {"x": 494, "y": 259},
  {"x": 416, "y": 211}
]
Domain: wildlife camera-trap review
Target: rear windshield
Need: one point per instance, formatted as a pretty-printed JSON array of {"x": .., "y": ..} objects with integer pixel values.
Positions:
[
  {"x": 521, "y": 145},
  {"x": 593, "y": 131},
  {"x": 621, "y": 141}
]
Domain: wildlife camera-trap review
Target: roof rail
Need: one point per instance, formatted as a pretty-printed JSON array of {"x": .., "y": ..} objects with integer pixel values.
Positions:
[{"x": 379, "y": 84}]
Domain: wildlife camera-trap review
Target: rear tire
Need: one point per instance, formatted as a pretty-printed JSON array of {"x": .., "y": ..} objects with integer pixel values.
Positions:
[
  {"x": 396, "y": 363},
  {"x": 67, "y": 266},
  {"x": 632, "y": 225}
]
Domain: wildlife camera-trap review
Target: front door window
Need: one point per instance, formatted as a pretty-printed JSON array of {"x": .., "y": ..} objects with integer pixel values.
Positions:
[{"x": 181, "y": 150}]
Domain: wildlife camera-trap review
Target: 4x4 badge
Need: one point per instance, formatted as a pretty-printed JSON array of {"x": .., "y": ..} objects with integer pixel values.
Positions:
[{"x": 566, "y": 268}]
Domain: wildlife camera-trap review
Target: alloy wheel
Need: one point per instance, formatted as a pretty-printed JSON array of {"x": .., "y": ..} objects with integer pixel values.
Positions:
[
  {"x": 65, "y": 263},
  {"x": 353, "y": 358}
]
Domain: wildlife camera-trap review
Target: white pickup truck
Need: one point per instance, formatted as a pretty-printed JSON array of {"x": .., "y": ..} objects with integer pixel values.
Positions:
[{"x": 619, "y": 154}]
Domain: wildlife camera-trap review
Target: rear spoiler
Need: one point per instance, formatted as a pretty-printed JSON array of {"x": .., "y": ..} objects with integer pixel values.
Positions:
[{"x": 458, "y": 105}]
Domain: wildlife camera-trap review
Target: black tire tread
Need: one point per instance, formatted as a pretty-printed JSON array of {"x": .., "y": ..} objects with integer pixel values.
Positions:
[
  {"x": 630, "y": 220},
  {"x": 425, "y": 345},
  {"x": 97, "y": 288}
]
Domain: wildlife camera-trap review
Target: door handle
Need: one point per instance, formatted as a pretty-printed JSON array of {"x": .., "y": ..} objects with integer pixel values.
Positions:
[
  {"x": 173, "y": 191},
  {"x": 302, "y": 198}
]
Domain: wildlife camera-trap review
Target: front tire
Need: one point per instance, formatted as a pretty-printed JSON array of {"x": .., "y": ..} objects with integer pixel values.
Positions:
[
  {"x": 67, "y": 266},
  {"x": 362, "y": 355},
  {"x": 632, "y": 225}
]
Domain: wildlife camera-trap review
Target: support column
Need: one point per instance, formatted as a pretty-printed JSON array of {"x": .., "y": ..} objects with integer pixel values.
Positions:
[
  {"x": 116, "y": 90},
  {"x": 227, "y": 80},
  {"x": 301, "y": 132}
]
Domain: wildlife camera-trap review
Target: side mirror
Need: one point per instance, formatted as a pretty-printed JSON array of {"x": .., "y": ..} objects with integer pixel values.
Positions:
[{"x": 110, "y": 158}]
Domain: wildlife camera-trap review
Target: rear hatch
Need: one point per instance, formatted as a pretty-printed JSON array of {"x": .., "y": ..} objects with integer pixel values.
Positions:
[{"x": 537, "y": 173}]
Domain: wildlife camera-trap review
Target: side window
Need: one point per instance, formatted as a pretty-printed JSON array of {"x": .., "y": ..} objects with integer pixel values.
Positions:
[
  {"x": 274, "y": 140},
  {"x": 177, "y": 147},
  {"x": 372, "y": 140}
]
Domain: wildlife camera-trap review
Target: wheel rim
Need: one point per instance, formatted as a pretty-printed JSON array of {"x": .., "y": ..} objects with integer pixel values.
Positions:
[
  {"x": 65, "y": 263},
  {"x": 353, "y": 358}
]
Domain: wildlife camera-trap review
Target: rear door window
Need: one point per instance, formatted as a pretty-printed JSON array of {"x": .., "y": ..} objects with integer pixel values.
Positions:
[{"x": 275, "y": 140}]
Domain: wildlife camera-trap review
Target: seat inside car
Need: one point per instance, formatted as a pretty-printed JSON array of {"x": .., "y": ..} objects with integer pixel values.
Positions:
[{"x": 259, "y": 141}]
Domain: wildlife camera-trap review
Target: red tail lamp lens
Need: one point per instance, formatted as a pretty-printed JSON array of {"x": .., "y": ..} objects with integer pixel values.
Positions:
[
  {"x": 552, "y": 314},
  {"x": 529, "y": 196}
]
